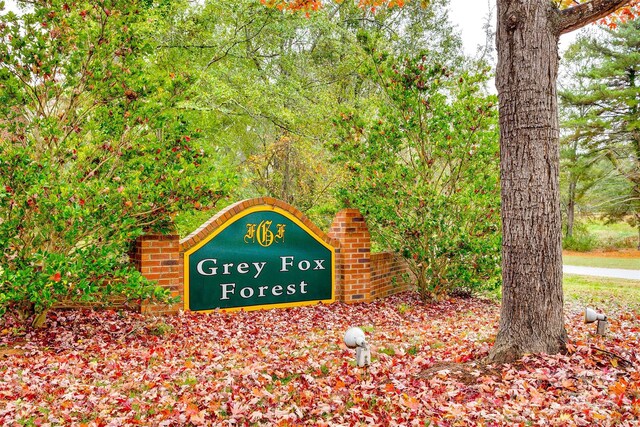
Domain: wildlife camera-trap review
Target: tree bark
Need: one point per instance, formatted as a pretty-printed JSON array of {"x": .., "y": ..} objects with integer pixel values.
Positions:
[{"x": 532, "y": 317}]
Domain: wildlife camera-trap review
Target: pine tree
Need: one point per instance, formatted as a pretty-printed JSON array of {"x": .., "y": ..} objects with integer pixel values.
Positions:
[{"x": 610, "y": 98}]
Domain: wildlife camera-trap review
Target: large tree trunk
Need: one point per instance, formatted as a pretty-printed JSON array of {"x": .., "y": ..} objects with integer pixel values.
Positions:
[{"x": 531, "y": 319}]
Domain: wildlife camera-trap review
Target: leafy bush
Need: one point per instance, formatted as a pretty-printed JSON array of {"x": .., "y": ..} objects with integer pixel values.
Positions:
[
  {"x": 580, "y": 242},
  {"x": 423, "y": 169},
  {"x": 93, "y": 152},
  {"x": 581, "y": 239}
]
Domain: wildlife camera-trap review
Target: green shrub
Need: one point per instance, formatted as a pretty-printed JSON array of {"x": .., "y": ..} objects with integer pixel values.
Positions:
[
  {"x": 93, "y": 152},
  {"x": 581, "y": 242},
  {"x": 423, "y": 169}
]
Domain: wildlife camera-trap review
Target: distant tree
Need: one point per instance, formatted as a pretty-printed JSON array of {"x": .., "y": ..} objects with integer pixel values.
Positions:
[
  {"x": 294, "y": 171},
  {"x": 269, "y": 83},
  {"x": 582, "y": 167},
  {"x": 580, "y": 172},
  {"x": 610, "y": 99}
]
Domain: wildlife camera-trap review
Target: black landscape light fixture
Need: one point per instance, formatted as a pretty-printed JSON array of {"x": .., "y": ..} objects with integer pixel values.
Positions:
[
  {"x": 591, "y": 316},
  {"x": 355, "y": 338}
]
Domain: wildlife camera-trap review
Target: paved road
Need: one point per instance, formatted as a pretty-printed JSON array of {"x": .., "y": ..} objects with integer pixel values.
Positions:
[{"x": 616, "y": 273}]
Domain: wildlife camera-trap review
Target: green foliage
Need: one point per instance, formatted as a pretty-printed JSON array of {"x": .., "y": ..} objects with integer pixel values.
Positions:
[
  {"x": 422, "y": 166},
  {"x": 580, "y": 240},
  {"x": 607, "y": 95},
  {"x": 93, "y": 151},
  {"x": 596, "y": 291},
  {"x": 593, "y": 260},
  {"x": 269, "y": 84},
  {"x": 160, "y": 329}
]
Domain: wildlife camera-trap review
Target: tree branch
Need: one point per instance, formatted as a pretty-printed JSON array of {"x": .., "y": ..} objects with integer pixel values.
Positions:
[{"x": 578, "y": 16}]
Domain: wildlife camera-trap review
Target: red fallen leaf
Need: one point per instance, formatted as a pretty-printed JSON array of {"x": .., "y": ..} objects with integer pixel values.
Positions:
[
  {"x": 571, "y": 348},
  {"x": 409, "y": 401},
  {"x": 569, "y": 384},
  {"x": 619, "y": 388},
  {"x": 191, "y": 410},
  {"x": 56, "y": 277},
  {"x": 264, "y": 375},
  {"x": 198, "y": 419}
]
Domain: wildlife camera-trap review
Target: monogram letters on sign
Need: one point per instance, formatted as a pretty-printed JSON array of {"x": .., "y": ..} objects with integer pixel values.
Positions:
[{"x": 262, "y": 257}]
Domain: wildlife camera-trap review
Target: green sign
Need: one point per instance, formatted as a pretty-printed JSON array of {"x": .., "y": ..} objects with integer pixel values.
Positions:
[{"x": 263, "y": 257}]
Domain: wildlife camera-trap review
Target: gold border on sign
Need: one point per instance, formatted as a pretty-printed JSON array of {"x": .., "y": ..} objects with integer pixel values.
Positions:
[{"x": 233, "y": 219}]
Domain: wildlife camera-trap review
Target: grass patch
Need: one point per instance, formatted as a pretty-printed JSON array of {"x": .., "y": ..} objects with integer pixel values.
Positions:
[
  {"x": 612, "y": 236},
  {"x": 618, "y": 230},
  {"x": 591, "y": 233},
  {"x": 160, "y": 329},
  {"x": 388, "y": 351},
  {"x": 602, "y": 262},
  {"x": 599, "y": 290}
]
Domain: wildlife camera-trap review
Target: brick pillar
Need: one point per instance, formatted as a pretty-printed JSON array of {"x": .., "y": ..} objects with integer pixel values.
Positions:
[
  {"x": 158, "y": 258},
  {"x": 353, "y": 262}
]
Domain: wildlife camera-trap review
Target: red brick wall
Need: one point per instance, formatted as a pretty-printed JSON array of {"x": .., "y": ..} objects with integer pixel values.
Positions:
[
  {"x": 353, "y": 269},
  {"x": 389, "y": 275},
  {"x": 158, "y": 258},
  {"x": 360, "y": 275}
]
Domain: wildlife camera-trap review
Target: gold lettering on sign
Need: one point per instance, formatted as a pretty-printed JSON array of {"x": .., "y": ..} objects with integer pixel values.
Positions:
[
  {"x": 262, "y": 234},
  {"x": 251, "y": 233}
]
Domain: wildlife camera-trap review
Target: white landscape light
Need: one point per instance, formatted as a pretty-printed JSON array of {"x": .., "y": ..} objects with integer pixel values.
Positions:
[
  {"x": 355, "y": 338},
  {"x": 591, "y": 316}
]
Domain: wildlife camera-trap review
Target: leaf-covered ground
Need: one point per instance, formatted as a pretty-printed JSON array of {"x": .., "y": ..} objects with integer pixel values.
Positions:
[{"x": 290, "y": 367}]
